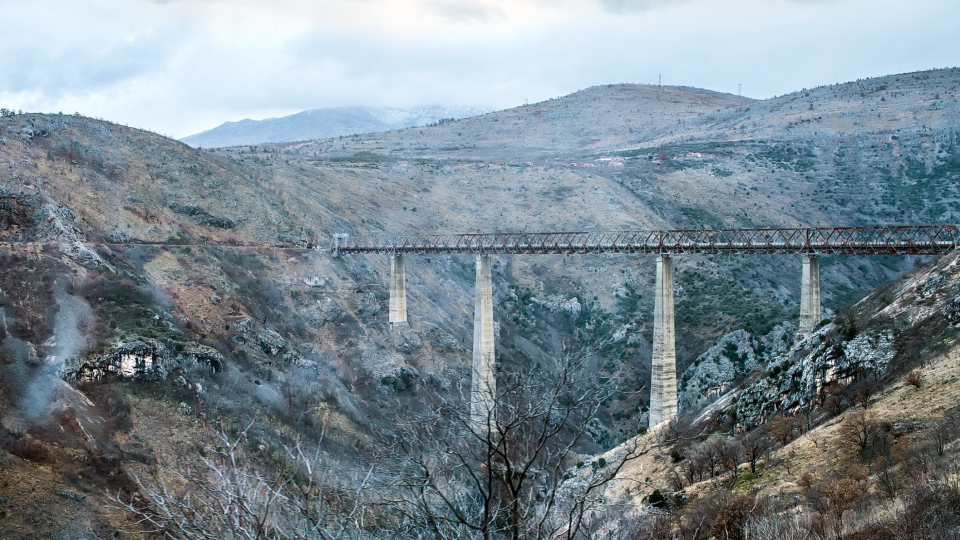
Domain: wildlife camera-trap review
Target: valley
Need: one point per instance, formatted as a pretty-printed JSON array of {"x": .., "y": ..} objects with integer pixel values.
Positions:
[{"x": 159, "y": 300}]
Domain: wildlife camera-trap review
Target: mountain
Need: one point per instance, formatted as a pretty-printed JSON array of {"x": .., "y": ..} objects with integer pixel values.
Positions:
[
  {"x": 158, "y": 297},
  {"x": 324, "y": 124}
]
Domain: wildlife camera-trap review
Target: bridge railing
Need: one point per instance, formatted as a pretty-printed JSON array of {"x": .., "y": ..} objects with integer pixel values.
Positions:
[{"x": 893, "y": 240}]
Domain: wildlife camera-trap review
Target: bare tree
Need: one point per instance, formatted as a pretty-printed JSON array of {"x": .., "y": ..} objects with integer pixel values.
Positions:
[
  {"x": 778, "y": 525},
  {"x": 888, "y": 479},
  {"x": 732, "y": 455},
  {"x": 512, "y": 477},
  {"x": 781, "y": 427},
  {"x": 944, "y": 431},
  {"x": 755, "y": 446},
  {"x": 856, "y": 430},
  {"x": 230, "y": 497},
  {"x": 713, "y": 453}
]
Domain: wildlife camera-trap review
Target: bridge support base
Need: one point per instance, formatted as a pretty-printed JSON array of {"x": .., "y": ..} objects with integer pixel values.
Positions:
[
  {"x": 398, "y": 293},
  {"x": 484, "y": 383},
  {"x": 663, "y": 383},
  {"x": 809, "y": 297}
]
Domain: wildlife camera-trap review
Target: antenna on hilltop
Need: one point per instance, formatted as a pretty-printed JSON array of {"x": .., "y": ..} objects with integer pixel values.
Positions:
[{"x": 739, "y": 93}]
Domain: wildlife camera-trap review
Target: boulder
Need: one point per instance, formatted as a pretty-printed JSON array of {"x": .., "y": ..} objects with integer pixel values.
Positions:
[{"x": 442, "y": 341}]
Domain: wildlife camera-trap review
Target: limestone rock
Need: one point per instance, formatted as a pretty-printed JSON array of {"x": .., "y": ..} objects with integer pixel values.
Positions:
[
  {"x": 120, "y": 237},
  {"x": 568, "y": 306},
  {"x": 201, "y": 354},
  {"x": 735, "y": 356},
  {"x": 792, "y": 380},
  {"x": 325, "y": 311},
  {"x": 442, "y": 341},
  {"x": 713, "y": 371},
  {"x": 315, "y": 281},
  {"x": 271, "y": 343},
  {"x": 867, "y": 352},
  {"x": 406, "y": 340},
  {"x": 367, "y": 304},
  {"x": 388, "y": 371},
  {"x": 144, "y": 359}
]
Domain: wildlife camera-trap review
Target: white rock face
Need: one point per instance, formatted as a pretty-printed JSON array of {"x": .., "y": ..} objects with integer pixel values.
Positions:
[
  {"x": 145, "y": 359},
  {"x": 558, "y": 304},
  {"x": 870, "y": 351},
  {"x": 792, "y": 380},
  {"x": 734, "y": 356}
]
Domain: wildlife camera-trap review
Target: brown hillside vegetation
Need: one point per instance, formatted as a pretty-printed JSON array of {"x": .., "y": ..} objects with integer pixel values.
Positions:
[{"x": 161, "y": 303}]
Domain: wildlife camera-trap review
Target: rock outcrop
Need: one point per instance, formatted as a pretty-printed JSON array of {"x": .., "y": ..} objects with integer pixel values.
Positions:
[
  {"x": 325, "y": 311},
  {"x": 794, "y": 380},
  {"x": 145, "y": 359},
  {"x": 735, "y": 356},
  {"x": 389, "y": 370}
]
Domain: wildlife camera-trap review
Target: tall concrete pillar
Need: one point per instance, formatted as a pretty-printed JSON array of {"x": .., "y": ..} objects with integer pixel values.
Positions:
[
  {"x": 398, "y": 292},
  {"x": 663, "y": 379},
  {"x": 484, "y": 382},
  {"x": 809, "y": 296}
]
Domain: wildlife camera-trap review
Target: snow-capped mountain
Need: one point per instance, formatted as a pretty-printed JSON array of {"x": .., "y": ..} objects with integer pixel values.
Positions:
[{"x": 325, "y": 123}]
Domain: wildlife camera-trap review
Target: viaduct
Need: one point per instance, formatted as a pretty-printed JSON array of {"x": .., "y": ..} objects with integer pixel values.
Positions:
[{"x": 809, "y": 243}]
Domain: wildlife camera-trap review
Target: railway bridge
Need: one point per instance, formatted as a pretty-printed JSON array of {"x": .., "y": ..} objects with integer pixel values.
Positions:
[{"x": 809, "y": 243}]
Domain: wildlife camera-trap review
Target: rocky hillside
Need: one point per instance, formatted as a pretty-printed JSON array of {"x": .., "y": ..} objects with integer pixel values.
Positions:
[
  {"x": 152, "y": 290},
  {"x": 325, "y": 123},
  {"x": 822, "y": 437}
]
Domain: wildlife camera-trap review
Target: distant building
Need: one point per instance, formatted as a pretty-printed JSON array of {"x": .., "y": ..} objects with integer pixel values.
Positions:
[
  {"x": 589, "y": 165},
  {"x": 616, "y": 164},
  {"x": 694, "y": 155}
]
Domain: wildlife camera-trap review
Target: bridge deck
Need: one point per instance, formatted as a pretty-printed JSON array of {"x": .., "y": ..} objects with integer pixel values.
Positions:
[{"x": 896, "y": 240}]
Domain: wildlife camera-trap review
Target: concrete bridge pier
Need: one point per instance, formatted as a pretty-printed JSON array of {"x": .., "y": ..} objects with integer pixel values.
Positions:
[
  {"x": 398, "y": 293},
  {"x": 484, "y": 382},
  {"x": 663, "y": 378},
  {"x": 809, "y": 296}
]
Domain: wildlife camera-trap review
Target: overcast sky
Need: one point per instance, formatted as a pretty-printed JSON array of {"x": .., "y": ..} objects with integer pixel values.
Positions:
[{"x": 183, "y": 66}]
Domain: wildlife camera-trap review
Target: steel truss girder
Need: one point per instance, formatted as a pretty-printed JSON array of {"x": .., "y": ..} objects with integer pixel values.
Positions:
[{"x": 895, "y": 240}]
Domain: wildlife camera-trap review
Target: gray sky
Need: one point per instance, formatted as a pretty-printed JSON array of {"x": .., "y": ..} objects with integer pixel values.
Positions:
[{"x": 182, "y": 66}]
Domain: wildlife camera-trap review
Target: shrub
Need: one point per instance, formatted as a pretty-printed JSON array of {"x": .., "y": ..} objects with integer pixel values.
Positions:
[
  {"x": 732, "y": 516},
  {"x": 914, "y": 378},
  {"x": 806, "y": 480},
  {"x": 657, "y": 499}
]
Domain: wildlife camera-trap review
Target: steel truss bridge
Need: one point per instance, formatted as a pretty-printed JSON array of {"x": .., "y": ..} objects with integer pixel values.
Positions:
[{"x": 894, "y": 240}]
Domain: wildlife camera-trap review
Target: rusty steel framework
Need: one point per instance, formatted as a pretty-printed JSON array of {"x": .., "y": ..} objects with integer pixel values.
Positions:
[{"x": 894, "y": 240}]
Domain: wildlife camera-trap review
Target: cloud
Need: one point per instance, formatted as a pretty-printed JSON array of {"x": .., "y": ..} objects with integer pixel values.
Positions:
[
  {"x": 182, "y": 66},
  {"x": 465, "y": 11},
  {"x": 628, "y": 6}
]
